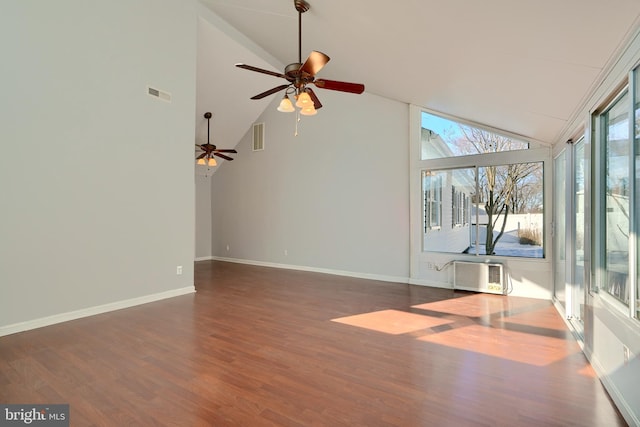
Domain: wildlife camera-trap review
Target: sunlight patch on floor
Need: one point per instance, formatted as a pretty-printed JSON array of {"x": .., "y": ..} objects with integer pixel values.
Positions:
[
  {"x": 502, "y": 343},
  {"x": 588, "y": 371},
  {"x": 393, "y": 322}
]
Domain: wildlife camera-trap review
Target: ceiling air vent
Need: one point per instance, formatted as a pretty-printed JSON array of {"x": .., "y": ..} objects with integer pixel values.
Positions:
[
  {"x": 258, "y": 136},
  {"x": 160, "y": 94}
]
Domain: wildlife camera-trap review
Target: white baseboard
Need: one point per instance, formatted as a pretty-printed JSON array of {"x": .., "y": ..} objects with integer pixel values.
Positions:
[
  {"x": 423, "y": 282},
  {"x": 382, "y": 278},
  {"x": 204, "y": 258},
  {"x": 629, "y": 414},
  {"x": 91, "y": 311}
]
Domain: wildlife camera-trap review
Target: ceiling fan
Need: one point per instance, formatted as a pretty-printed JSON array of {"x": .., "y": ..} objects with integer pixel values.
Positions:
[
  {"x": 299, "y": 75},
  {"x": 211, "y": 150}
]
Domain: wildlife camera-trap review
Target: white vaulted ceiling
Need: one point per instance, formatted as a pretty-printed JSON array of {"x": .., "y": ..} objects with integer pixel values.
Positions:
[{"x": 521, "y": 66}]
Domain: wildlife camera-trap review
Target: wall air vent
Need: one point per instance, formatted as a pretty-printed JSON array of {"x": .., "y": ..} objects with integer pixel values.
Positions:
[
  {"x": 258, "y": 136},
  {"x": 157, "y": 93}
]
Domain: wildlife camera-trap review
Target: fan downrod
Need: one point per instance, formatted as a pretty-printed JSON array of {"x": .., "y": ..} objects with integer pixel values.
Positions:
[{"x": 301, "y": 5}]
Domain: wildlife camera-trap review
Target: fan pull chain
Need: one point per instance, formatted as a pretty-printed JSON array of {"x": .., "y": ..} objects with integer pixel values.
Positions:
[{"x": 297, "y": 120}]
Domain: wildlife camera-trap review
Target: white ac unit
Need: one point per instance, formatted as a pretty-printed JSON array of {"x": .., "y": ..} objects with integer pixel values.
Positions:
[{"x": 479, "y": 277}]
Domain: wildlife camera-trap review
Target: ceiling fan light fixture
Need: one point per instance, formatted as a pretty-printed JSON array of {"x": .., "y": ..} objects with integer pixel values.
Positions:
[
  {"x": 201, "y": 162},
  {"x": 309, "y": 111},
  {"x": 304, "y": 100},
  {"x": 212, "y": 162},
  {"x": 285, "y": 105}
]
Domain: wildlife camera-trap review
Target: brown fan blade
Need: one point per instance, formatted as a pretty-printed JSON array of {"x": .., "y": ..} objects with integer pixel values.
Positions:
[
  {"x": 222, "y": 156},
  {"x": 341, "y": 86},
  {"x": 314, "y": 62},
  {"x": 316, "y": 102},
  {"x": 261, "y": 70},
  {"x": 201, "y": 156},
  {"x": 269, "y": 92},
  {"x": 226, "y": 150}
]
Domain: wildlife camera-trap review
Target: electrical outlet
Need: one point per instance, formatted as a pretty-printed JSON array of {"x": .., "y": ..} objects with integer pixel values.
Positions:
[{"x": 179, "y": 270}]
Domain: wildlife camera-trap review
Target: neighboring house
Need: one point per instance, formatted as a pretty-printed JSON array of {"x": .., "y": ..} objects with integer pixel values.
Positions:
[{"x": 446, "y": 201}]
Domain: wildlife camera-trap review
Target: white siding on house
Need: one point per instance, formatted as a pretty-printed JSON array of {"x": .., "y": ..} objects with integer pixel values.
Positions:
[{"x": 449, "y": 237}]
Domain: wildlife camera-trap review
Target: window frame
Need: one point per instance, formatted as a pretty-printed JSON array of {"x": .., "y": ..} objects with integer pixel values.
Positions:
[
  {"x": 604, "y": 123},
  {"x": 536, "y": 153}
]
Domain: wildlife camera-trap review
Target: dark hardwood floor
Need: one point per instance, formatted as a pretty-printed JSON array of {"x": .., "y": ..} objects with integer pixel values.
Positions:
[{"x": 260, "y": 346}]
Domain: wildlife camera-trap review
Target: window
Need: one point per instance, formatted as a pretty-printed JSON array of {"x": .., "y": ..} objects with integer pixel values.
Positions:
[
  {"x": 617, "y": 193},
  {"x": 459, "y": 207},
  {"x": 615, "y": 126},
  {"x": 483, "y": 205},
  {"x": 432, "y": 186},
  {"x": 580, "y": 274},
  {"x": 636, "y": 146},
  {"x": 441, "y": 138},
  {"x": 510, "y": 220}
]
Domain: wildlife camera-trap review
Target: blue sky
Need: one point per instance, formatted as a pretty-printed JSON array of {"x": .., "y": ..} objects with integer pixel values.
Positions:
[{"x": 437, "y": 124}]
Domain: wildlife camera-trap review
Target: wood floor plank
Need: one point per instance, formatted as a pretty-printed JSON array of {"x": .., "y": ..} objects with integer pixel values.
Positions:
[{"x": 258, "y": 346}]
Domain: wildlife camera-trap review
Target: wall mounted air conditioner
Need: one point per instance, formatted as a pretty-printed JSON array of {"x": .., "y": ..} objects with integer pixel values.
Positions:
[{"x": 479, "y": 277}]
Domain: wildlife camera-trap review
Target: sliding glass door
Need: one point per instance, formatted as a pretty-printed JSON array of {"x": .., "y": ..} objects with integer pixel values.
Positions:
[
  {"x": 569, "y": 232},
  {"x": 579, "y": 172},
  {"x": 559, "y": 228}
]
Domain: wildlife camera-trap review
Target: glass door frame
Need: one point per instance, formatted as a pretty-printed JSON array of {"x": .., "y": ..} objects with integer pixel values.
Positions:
[
  {"x": 577, "y": 294},
  {"x": 560, "y": 167},
  {"x": 574, "y": 294}
]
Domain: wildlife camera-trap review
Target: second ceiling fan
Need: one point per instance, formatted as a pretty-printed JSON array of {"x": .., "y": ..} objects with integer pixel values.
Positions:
[
  {"x": 300, "y": 75},
  {"x": 210, "y": 149}
]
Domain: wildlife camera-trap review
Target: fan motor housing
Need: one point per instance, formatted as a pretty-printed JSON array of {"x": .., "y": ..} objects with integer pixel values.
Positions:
[{"x": 297, "y": 77}]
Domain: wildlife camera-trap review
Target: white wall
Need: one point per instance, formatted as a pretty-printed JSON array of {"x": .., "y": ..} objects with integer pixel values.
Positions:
[
  {"x": 96, "y": 176},
  {"x": 335, "y": 197},
  {"x": 203, "y": 216}
]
